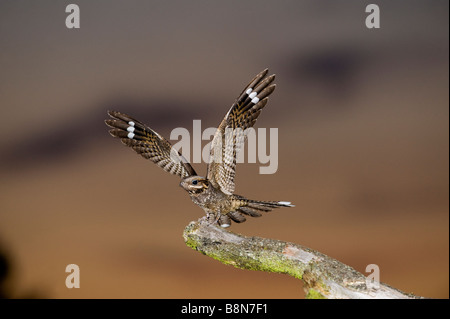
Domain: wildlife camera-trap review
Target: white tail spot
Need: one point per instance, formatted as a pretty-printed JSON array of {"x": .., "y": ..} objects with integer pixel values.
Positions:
[{"x": 286, "y": 204}]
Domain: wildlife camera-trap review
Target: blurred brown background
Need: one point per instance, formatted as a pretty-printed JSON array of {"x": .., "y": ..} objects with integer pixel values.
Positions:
[{"x": 363, "y": 122}]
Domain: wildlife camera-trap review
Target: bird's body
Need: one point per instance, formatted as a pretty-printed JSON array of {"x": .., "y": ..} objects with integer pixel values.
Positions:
[{"x": 215, "y": 192}]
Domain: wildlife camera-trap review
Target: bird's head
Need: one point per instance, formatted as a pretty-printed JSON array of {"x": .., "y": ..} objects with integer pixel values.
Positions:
[{"x": 194, "y": 184}]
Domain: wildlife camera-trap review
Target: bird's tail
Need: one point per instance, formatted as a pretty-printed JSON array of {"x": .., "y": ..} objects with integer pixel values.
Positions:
[
  {"x": 267, "y": 206},
  {"x": 253, "y": 208}
]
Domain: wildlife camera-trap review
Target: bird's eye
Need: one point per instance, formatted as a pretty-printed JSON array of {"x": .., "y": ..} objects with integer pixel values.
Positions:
[{"x": 194, "y": 182}]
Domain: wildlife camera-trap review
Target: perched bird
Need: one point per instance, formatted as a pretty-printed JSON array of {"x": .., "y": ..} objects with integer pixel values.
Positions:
[{"x": 213, "y": 193}]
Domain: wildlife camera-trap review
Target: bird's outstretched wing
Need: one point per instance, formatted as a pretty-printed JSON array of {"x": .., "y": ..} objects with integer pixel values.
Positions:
[
  {"x": 230, "y": 135},
  {"x": 149, "y": 144}
]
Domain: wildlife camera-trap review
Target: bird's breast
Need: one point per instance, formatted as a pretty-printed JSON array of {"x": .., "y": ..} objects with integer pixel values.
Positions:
[{"x": 212, "y": 199}]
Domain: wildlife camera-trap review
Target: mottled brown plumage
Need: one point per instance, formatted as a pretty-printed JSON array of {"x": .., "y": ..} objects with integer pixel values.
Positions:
[{"x": 215, "y": 192}]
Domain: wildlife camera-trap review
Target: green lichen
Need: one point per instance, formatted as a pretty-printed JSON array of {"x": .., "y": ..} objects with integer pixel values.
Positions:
[
  {"x": 313, "y": 294},
  {"x": 279, "y": 264},
  {"x": 191, "y": 243},
  {"x": 268, "y": 256},
  {"x": 264, "y": 261}
]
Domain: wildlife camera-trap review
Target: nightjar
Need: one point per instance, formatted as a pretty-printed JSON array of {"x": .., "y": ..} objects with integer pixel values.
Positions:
[{"x": 215, "y": 192}]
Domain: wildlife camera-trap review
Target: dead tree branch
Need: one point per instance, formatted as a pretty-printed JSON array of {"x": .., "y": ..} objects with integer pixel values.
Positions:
[{"x": 322, "y": 276}]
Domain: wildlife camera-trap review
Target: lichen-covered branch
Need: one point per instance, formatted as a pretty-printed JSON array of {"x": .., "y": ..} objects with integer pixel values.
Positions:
[{"x": 322, "y": 276}]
